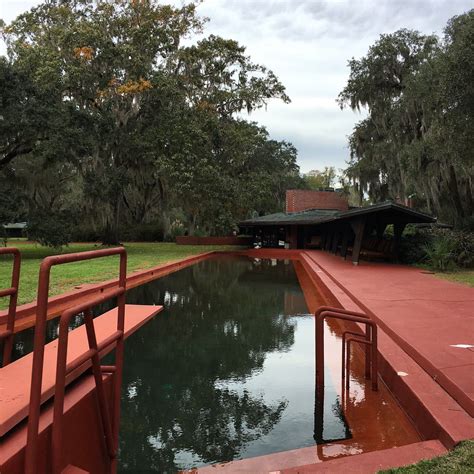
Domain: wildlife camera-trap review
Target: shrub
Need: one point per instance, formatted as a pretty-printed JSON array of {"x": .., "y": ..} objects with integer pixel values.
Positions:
[
  {"x": 50, "y": 229},
  {"x": 176, "y": 229},
  {"x": 151, "y": 232},
  {"x": 224, "y": 224},
  {"x": 198, "y": 232},
  {"x": 86, "y": 233},
  {"x": 440, "y": 253},
  {"x": 443, "y": 249},
  {"x": 412, "y": 245},
  {"x": 464, "y": 249}
]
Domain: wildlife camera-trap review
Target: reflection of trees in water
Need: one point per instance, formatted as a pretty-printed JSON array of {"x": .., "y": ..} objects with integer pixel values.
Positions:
[
  {"x": 331, "y": 409},
  {"x": 23, "y": 342},
  {"x": 217, "y": 327},
  {"x": 212, "y": 423}
]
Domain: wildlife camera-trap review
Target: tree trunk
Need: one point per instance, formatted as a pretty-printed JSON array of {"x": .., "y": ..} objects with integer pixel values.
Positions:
[
  {"x": 454, "y": 191},
  {"x": 192, "y": 224},
  {"x": 469, "y": 199},
  {"x": 166, "y": 224},
  {"x": 112, "y": 230},
  {"x": 165, "y": 215}
]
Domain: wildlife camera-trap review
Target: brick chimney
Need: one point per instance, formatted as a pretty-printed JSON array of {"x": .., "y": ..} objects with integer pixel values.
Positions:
[{"x": 301, "y": 200}]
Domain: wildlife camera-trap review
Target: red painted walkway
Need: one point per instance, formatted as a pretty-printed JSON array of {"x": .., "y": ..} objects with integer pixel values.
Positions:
[{"x": 431, "y": 319}]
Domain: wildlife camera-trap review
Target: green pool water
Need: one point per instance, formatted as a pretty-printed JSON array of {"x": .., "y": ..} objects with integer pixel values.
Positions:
[{"x": 225, "y": 372}]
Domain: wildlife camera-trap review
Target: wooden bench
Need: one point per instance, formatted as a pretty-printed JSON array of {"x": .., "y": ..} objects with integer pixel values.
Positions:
[
  {"x": 376, "y": 249},
  {"x": 314, "y": 243}
]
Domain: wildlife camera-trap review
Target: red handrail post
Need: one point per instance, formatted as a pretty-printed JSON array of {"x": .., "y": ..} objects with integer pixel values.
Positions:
[
  {"x": 62, "y": 371},
  {"x": 343, "y": 358},
  {"x": 348, "y": 361},
  {"x": 40, "y": 336},
  {"x": 9, "y": 334},
  {"x": 119, "y": 354}
]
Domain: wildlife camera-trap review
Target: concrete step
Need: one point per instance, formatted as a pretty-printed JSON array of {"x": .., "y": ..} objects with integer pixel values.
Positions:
[{"x": 375, "y": 461}]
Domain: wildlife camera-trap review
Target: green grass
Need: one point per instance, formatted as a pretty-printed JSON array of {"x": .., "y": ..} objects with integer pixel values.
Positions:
[
  {"x": 462, "y": 276},
  {"x": 459, "y": 460},
  {"x": 66, "y": 277}
]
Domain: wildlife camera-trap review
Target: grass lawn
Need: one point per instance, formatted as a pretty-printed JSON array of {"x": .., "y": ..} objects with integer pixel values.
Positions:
[
  {"x": 459, "y": 460},
  {"x": 65, "y": 277},
  {"x": 462, "y": 276}
]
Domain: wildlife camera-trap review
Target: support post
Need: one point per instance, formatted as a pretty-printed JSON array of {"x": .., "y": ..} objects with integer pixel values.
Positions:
[
  {"x": 329, "y": 238},
  {"x": 335, "y": 242},
  {"x": 345, "y": 242},
  {"x": 358, "y": 225},
  {"x": 398, "y": 229}
]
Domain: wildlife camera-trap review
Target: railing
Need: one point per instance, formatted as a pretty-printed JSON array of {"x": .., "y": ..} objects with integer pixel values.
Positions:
[
  {"x": 8, "y": 334},
  {"x": 369, "y": 339},
  {"x": 109, "y": 424}
]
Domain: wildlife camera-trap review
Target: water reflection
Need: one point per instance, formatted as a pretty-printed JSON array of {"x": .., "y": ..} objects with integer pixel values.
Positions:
[
  {"x": 23, "y": 342},
  {"x": 225, "y": 372}
]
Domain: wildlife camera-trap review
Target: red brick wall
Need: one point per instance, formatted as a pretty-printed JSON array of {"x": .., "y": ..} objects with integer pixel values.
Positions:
[{"x": 301, "y": 200}]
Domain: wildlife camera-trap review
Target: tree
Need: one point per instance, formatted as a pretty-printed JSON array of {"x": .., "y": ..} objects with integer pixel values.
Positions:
[
  {"x": 415, "y": 142},
  {"x": 20, "y": 120},
  {"x": 100, "y": 58},
  {"x": 151, "y": 108},
  {"x": 134, "y": 126},
  {"x": 316, "y": 179}
]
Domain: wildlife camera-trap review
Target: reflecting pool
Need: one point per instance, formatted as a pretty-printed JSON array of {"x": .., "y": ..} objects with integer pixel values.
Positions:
[{"x": 225, "y": 372}]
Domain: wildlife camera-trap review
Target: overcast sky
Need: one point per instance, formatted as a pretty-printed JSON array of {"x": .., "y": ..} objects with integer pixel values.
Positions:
[{"x": 307, "y": 44}]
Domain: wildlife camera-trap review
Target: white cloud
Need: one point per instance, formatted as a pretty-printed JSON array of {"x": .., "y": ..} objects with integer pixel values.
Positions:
[{"x": 307, "y": 43}]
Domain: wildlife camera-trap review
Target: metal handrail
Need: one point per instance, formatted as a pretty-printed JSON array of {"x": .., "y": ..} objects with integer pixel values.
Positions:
[
  {"x": 38, "y": 353},
  {"x": 12, "y": 292},
  {"x": 347, "y": 363},
  {"x": 324, "y": 312},
  {"x": 344, "y": 341}
]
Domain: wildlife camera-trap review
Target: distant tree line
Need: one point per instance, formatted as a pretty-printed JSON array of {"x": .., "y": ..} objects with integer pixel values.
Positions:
[
  {"x": 418, "y": 138},
  {"x": 115, "y": 125}
]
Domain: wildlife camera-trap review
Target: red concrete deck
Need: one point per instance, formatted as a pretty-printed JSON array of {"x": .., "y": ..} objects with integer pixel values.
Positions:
[
  {"x": 15, "y": 378},
  {"x": 431, "y": 319}
]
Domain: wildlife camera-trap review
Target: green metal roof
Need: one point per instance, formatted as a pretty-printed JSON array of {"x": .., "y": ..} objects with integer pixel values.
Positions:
[{"x": 319, "y": 216}]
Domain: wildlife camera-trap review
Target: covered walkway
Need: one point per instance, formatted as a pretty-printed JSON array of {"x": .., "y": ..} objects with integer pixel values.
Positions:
[{"x": 323, "y": 220}]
